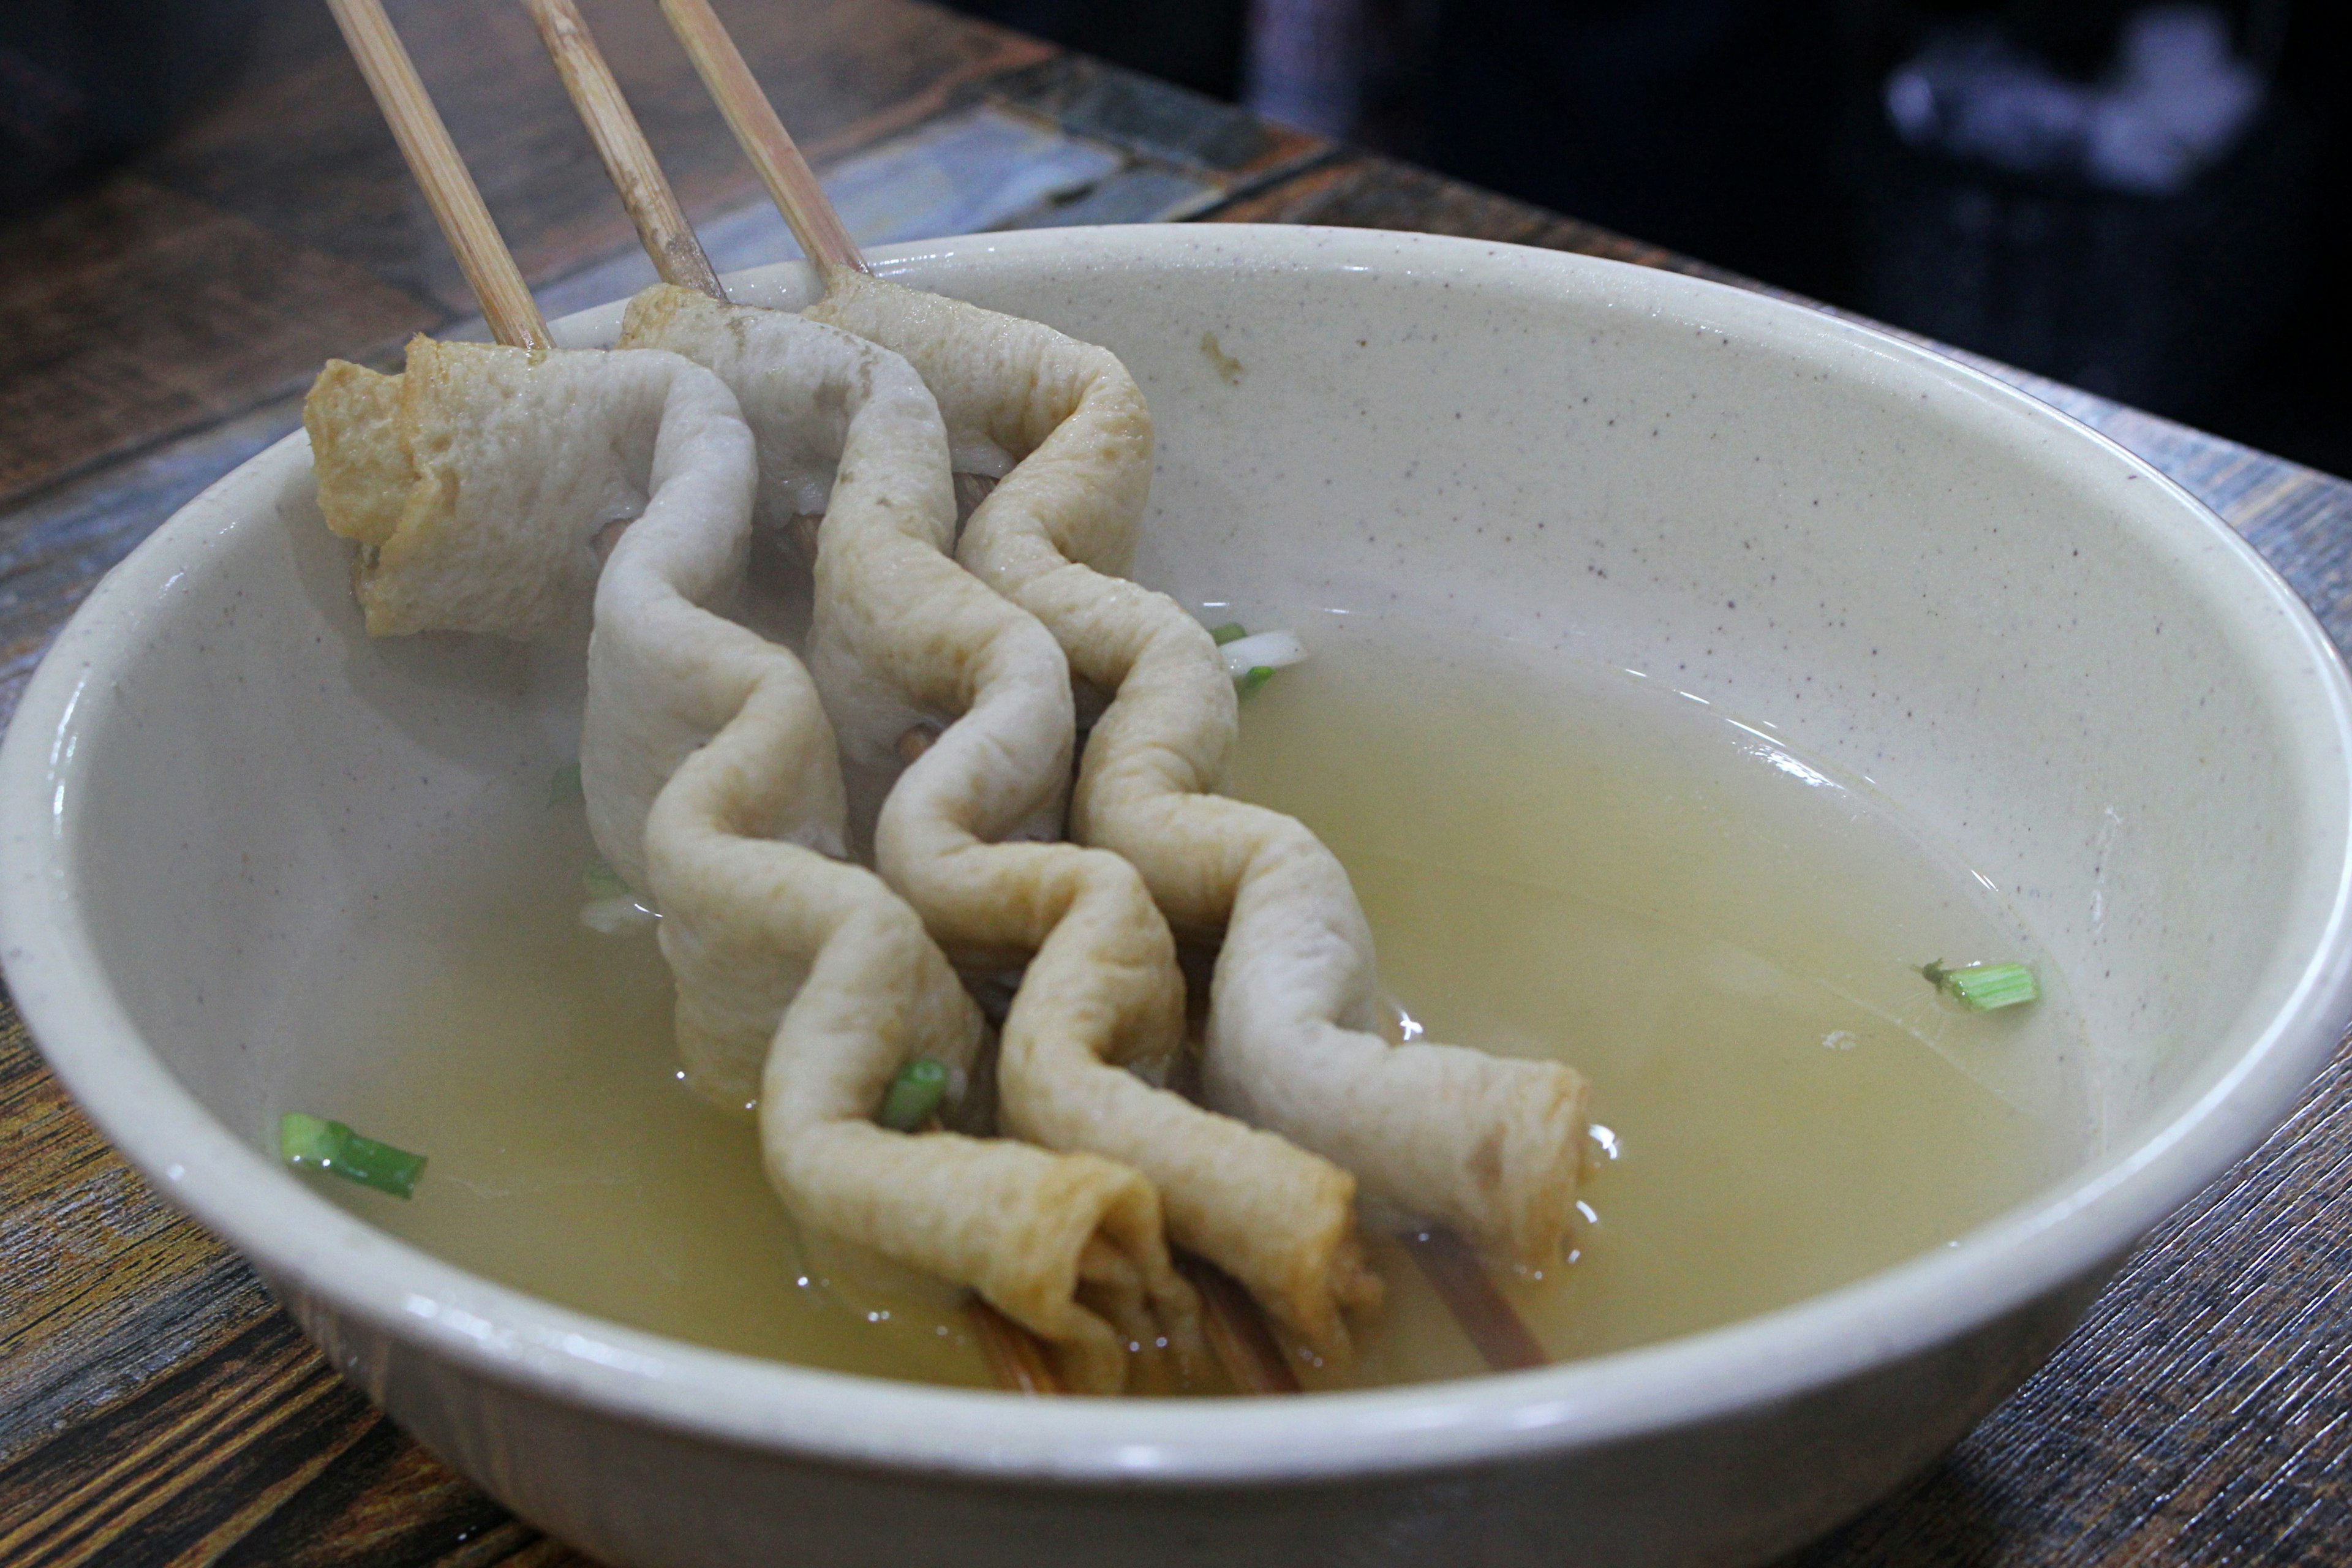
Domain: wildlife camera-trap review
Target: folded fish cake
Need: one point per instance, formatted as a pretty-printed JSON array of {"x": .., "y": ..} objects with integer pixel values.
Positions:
[
  {"x": 903, "y": 634},
  {"x": 1489, "y": 1145},
  {"x": 480, "y": 485}
]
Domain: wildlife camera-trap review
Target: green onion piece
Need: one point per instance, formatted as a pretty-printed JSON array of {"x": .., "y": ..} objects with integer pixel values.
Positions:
[
  {"x": 1232, "y": 631},
  {"x": 563, "y": 785},
  {"x": 1984, "y": 987},
  {"x": 914, "y": 1096},
  {"x": 602, "y": 882},
  {"x": 313, "y": 1144},
  {"x": 1258, "y": 676}
]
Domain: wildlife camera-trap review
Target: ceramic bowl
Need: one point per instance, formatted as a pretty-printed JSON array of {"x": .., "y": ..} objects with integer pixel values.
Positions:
[{"x": 2074, "y": 674}]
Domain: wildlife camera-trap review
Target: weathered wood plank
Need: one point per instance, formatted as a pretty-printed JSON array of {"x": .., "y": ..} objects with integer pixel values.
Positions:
[
  {"x": 303, "y": 153},
  {"x": 102, "y": 1286},
  {"x": 1363, "y": 191},
  {"x": 282, "y": 227},
  {"x": 134, "y": 310},
  {"x": 55, "y": 548},
  {"x": 1156, "y": 120},
  {"x": 155, "y": 1407}
]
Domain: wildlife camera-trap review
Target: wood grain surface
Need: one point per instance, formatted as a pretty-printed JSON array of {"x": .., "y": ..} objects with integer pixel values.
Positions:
[{"x": 156, "y": 1407}]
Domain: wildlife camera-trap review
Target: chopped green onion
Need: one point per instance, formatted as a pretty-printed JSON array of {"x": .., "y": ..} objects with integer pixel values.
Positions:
[
  {"x": 914, "y": 1095},
  {"x": 563, "y": 785},
  {"x": 602, "y": 882},
  {"x": 314, "y": 1144},
  {"x": 1232, "y": 631},
  {"x": 1258, "y": 676},
  {"x": 1984, "y": 987},
  {"x": 1269, "y": 650}
]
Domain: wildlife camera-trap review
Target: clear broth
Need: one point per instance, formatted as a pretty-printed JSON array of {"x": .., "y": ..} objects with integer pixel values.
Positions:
[{"x": 1558, "y": 859}]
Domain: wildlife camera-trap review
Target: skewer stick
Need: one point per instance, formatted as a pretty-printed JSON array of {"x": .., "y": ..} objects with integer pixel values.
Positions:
[
  {"x": 514, "y": 317},
  {"x": 1237, "y": 1330},
  {"x": 763, "y": 138},
  {"x": 450, "y": 190},
  {"x": 645, "y": 191},
  {"x": 1485, "y": 1316},
  {"x": 1015, "y": 1356},
  {"x": 1237, "y": 1333}
]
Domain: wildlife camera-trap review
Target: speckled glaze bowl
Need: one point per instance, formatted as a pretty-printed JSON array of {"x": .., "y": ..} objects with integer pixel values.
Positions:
[{"x": 2038, "y": 647}]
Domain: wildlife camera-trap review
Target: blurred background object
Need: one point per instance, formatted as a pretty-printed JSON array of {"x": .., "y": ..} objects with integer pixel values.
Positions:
[
  {"x": 1307, "y": 63},
  {"x": 84, "y": 83},
  {"x": 2127, "y": 196},
  {"x": 1705, "y": 126}
]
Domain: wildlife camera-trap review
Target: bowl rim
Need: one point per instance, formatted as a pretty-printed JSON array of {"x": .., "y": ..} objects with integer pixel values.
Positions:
[{"x": 328, "y": 1264}]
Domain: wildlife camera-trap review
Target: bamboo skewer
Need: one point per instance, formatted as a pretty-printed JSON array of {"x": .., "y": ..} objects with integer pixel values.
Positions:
[
  {"x": 1017, "y": 1357},
  {"x": 646, "y": 192},
  {"x": 1487, "y": 1318},
  {"x": 1237, "y": 1333},
  {"x": 489, "y": 268},
  {"x": 1236, "y": 1329},
  {"x": 823, "y": 238}
]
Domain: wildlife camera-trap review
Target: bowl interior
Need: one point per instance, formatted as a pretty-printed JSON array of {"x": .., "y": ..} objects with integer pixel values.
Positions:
[{"x": 2058, "y": 664}]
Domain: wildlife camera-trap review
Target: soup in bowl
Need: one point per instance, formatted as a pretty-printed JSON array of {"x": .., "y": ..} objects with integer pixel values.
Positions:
[{"x": 1692, "y": 680}]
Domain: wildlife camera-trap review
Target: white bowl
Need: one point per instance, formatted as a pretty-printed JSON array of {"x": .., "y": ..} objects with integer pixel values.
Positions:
[{"x": 2107, "y": 703}]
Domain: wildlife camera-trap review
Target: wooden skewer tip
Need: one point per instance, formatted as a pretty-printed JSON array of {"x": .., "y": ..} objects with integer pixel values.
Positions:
[
  {"x": 791, "y": 182},
  {"x": 449, "y": 189},
  {"x": 1015, "y": 1356},
  {"x": 1238, "y": 1331},
  {"x": 628, "y": 158},
  {"x": 1483, "y": 1313}
]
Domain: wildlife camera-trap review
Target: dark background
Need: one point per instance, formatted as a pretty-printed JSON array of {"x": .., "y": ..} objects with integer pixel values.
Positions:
[{"x": 1754, "y": 135}]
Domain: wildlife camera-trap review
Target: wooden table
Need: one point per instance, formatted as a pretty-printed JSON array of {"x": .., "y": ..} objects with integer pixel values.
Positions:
[{"x": 155, "y": 1406}]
